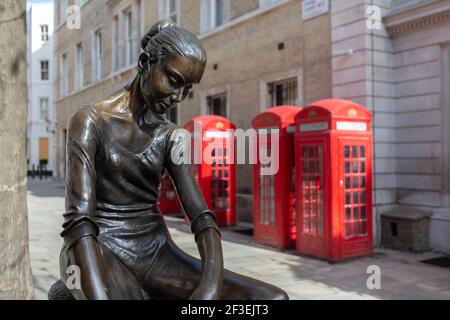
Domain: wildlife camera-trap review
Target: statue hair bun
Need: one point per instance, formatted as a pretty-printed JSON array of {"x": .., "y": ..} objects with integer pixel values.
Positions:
[{"x": 157, "y": 27}]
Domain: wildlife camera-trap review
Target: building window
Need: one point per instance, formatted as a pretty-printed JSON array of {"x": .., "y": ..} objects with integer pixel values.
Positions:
[
  {"x": 44, "y": 70},
  {"x": 63, "y": 153},
  {"x": 115, "y": 44},
  {"x": 79, "y": 69},
  {"x": 43, "y": 107},
  {"x": 138, "y": 28},
  {"x": 169, "y": 9},
  {"x": 217, "y": 105},
  {"x": 264, "y": 3},
  {"x": 44, "y": 33},
  {"x": 97, "y": 55},
  {"x": 129, "y": 52},
  {"x": 284, "y": 92},
  {"x": 172, "y": 115},
  {"x": 63, "y": 10},
  {"x": 214, "y": 13},
  {"x": 64, "y": 79},
  {"x": 43, "y": 151}
]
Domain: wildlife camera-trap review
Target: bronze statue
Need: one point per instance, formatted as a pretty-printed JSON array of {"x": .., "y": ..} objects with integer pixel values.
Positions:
[{"x": 117, "y": 152}]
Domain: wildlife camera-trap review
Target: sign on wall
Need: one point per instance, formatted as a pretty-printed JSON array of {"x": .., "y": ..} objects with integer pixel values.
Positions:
[{"x": 314, "y": 8}]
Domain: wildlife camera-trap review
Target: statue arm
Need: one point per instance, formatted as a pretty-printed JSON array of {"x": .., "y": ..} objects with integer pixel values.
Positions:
[
  {"x": 80, "y": 229},
  {"x": 203, "y": 223}
]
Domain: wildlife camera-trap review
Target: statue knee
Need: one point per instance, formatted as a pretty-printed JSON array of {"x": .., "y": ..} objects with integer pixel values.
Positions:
[
  {"x": 281, "y": 295},
  {"x": 278, "y": 294},
  {"x": 271, "y": 292}
]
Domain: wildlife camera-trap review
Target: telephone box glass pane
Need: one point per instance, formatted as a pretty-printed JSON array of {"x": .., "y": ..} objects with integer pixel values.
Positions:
[
  {"x": 347, "y": 152},
  {"x": 355, "y": 166},
  {"x": 362, "y": 152},
  {"x": 355, "y": 182},
  {"x": 347, "y": 167},
  {"x": 347, "y": 183},
  {"x": 355, "y": 198}
]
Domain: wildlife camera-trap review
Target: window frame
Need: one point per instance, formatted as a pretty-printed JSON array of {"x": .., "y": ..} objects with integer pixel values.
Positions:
[
  {"x": 129, "y": 34},
  {"x": 115, "y": 43},
  {"x": 265, "y": 3},
  {"x": 63, "y": 5},
  {"x": 208, "y": 15},
  {"x": 45, "y": 33},
  {"x": 204, "y": 95},
  {"x": 47, "y": 109},
  {"x": 165, "y": 13},
  {"x": 176, "y": 110},
  {"x": 79, "y": 66},
  {"x": 64, "y": 75},
  {"x": 45, "y": 71},
  {"x": 97, "y": 55},
  {"x": 210, "y": 105},
  {"x": 279, "y": 76},
  {"x": 274, "y": 95}
]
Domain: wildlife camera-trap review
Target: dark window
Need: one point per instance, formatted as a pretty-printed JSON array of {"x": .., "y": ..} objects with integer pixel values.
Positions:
[
  {"x": 283, "y": 92},
  {"x": 172, "y": 115},
  {"x": 217, "y": 105},
  {"x": 44, "y": 70}
]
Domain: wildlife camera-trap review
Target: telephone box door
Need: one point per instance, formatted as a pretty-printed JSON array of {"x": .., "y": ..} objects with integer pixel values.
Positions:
[
  {"x": 311, "y": 196},
  {"x": 266, "y": 207},
  {"x": 355, "y": 195},
  {"x": 221, "y": 184}
]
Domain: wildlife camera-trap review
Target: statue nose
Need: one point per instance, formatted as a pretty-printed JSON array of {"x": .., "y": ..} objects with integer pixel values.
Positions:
[
  {"x": 177, "y": 97},
  {"x": 180, "y": 94}
]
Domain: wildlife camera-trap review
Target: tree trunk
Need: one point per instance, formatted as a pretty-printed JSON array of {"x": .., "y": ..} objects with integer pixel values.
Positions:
[{"x": 15, "y": 271}]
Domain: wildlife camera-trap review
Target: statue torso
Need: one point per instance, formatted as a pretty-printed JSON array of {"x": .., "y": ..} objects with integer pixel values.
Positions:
[{"x": 129, "y": 162}]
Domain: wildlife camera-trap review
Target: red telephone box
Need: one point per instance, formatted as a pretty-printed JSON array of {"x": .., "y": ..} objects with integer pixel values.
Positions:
[
  {"x": 216, "y": 174},
  {"x": 168, "y": 198},
  {"x": 274, "y": 221},
  {"x": 333, "y": 146}
]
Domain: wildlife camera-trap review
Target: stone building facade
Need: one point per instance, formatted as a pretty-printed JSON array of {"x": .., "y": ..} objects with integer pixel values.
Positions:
[
  {"x": 274, "y": 45},
  {"x": 389, "y": 55},
  {"x": 41, "y": 142},
  {"x": 400, "y": 71}
]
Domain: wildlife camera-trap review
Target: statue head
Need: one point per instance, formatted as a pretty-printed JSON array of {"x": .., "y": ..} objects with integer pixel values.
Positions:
[{"x": 173, "y": 60}]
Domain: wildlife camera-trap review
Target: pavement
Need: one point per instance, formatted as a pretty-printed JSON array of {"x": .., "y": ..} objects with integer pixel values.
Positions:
[{"x": 403, "y": 275}]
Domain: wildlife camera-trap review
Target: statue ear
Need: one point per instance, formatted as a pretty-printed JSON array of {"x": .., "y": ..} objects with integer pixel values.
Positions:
[{"x": 144, "y": 62}]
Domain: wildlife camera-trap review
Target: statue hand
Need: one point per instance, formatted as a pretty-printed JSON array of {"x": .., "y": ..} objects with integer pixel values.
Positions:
[
  {"x": 85, "y": 254},
  {"x": 205, "y": 291},
  {"x": 210, "y": 248}
]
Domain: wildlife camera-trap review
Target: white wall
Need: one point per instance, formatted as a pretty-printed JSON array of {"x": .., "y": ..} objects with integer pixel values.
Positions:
[
  {"x": 39, "y": 14},
  {"x": 422, "y": 120},
  {"x": 400, "y": 78},
  {"x": 365, "y": 76}
]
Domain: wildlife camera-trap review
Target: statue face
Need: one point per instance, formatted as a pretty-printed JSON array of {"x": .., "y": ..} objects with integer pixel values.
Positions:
[{"x": 169, "y": 82}]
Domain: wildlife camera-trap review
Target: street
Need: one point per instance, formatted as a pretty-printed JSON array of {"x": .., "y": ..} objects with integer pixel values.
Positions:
[{"x": 403, "y": 276}]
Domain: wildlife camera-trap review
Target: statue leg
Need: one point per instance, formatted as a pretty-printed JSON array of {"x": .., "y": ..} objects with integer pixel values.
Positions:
[
  {"x": 119, "y": 281},
  {"x": 175, "y": 275}
]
